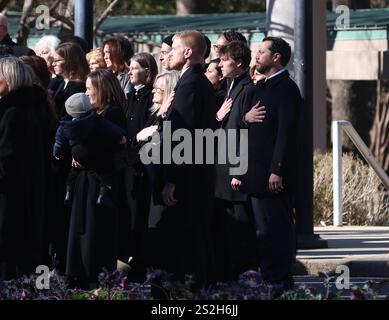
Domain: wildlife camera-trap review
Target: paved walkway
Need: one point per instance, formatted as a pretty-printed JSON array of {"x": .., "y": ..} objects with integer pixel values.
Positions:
[{"x": 365, "y": 250}]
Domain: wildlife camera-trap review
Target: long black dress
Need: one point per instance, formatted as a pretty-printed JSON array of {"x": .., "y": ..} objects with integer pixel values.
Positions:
[
  {"x": 93, "y": 243},
  {"x": 24, "y": 155},
  {"x": 134, "y": 221},
  {"x": 60, "y": 170}
]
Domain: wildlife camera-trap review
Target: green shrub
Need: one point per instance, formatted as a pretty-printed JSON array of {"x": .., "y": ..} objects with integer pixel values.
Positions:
[{"x": 364, "y": 200}]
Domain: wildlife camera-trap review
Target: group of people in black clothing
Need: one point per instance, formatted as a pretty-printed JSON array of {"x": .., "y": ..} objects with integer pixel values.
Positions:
[{"x": 75, "y": 190}]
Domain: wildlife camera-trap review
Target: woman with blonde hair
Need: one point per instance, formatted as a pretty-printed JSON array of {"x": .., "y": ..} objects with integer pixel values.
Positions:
[
  {"x": 163, "y": 88},
  {"x": 163, "y": 94},
  {"x": 23, "y": 171},
  {"x": 95, "y": 60}
]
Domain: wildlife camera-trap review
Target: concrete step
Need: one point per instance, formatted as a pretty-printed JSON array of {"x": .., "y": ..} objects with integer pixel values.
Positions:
[{"x": 364, "y": 250}]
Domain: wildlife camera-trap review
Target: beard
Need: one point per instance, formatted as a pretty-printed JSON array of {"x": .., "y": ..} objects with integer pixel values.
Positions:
[
  {"x": 175, "y": 64},
  {"x": 264, "y": 69}
]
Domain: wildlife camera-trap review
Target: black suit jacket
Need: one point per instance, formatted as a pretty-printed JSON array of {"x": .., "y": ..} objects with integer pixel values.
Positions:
[
  {"x": 138, "y": 111},
  {"x": 232, "y": 121},
  {"x": 192, "y": 108},
  {"x": 18, "y": 50},
  {"x": 137, "y": 115},
  {"x": 272, "y": 144},
  {"x": 61, "y": 95}
]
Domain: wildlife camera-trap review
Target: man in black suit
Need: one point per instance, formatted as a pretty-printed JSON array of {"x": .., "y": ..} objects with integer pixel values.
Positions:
[
  {"x": 189, "y": 188},
  {"x": 271, "y": 162},
  {"x": 5, "y": 39}
]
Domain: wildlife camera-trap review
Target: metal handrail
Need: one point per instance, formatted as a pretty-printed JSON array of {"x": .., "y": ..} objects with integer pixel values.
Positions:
[{"x": 337, "y": 141}]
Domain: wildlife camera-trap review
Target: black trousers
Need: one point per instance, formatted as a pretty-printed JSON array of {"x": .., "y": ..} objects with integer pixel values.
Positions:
[
  {"x": 276, "y": 237},
  {"x": 234, "y": 239}
]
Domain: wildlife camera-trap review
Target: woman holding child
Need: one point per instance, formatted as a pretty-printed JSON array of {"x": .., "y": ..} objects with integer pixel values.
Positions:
[{"x": 92, "y": 243}]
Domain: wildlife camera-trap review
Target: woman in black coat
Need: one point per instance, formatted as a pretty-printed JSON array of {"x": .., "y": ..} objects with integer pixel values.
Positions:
[
  {"x": 143, "y": 70},
  {"x": 162, "y": 97},
  {"x": 24, "y": 125},
  {"x": 71, "y": 69},
  {"x": 92, "y": 243},
  {"x": 70, "y": 64}
]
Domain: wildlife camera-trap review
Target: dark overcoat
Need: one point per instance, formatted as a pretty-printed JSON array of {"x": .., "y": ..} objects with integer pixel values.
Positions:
[
  {"x": 24, "y": 177},
  {"x": 62, "y": 93},
  {"x": 187, "y": 224},
  {"x": 273, "y": 143},
  {"x": 232, "y": 122},
  {"x": 134, "y": 221},
  {"x": 93, "y": 232}
]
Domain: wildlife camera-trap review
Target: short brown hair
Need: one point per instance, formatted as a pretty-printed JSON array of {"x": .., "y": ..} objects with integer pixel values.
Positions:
[
  {"x": 194, "y": 40},
  {"x": 279, "y": 45},
  {"x": 238, "y": 50}
]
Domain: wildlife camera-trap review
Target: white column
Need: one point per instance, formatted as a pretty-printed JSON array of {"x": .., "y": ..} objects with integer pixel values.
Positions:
[
  {"x": 337, "y": 141},
  {"x": 280, "y": 22}
]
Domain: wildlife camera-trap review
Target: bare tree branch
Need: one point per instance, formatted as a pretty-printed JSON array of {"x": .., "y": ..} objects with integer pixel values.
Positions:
[
  {"x": 54, "y": 5},
  {"x": 66, "y": 22},
  {"x": 4, "y": 4},
  {"x": 104, "y": 15},
  {"x": 27, "y": 8},
  {"x": 24, "y": 29},
  {"x": 69, "y": 13},
  {"x": 66, "y": 19}
]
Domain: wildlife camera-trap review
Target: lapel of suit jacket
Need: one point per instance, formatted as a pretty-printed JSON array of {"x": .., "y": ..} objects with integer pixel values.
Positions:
[
  {"x": 60, "y": 88},
  {"x": 244, "y": 81},
  {"x": 240, "y": 86},
  {"x": 275, "y": 80},
  {"x": 192, "y": 69}
]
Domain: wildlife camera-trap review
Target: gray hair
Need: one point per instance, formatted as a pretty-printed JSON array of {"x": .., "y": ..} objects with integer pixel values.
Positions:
[
  {"x": 15, "y": 73},
  {"x": 52, "y": 42},
  {"x": 170, "y": 80}
]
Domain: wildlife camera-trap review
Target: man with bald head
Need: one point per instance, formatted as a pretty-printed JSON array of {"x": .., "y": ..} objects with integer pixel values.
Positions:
[
  {"x": 5, "y": 39},
  {"x": 189, "y": 188}
]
